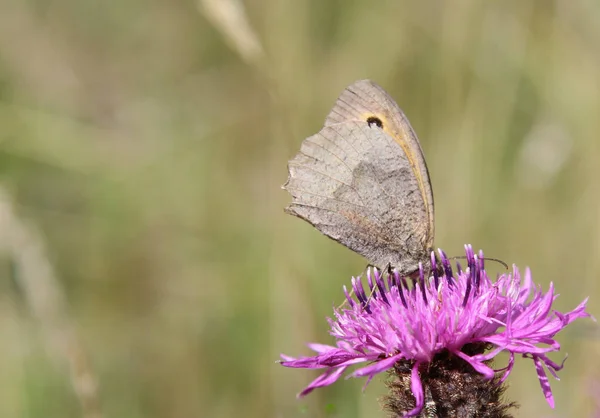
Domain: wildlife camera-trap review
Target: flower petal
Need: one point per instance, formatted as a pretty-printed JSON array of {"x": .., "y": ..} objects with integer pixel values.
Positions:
[
  {"x": 416, "y": 386},
  {"x": 543, "y": 378},
  {"x": 326, "y": 379},
  {"x": 377, "y": 367}
]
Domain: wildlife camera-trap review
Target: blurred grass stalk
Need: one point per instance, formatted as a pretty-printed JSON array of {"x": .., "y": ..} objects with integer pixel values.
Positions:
[
  {"x": 46, "y": 301},
  {"x": 229, "y": 17}
]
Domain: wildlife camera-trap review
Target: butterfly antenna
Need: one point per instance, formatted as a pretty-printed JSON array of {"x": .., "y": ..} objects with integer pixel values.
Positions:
[
  {"x": 389, "y": 269},
  {"x": 346, "y": 300},
  {"x": 463, "y": 257}
]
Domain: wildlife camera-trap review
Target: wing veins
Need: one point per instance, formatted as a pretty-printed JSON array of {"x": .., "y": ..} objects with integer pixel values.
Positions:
[
  {"x": 351, "y": 106},
  {"x": 324, "y": 174},
  {"x": 337, "y": 133},
  {"x": 379, "y": 221},
  {"x": 328, "y": 150},
  {"x": 351, "y": 171},
  {"x": 381, "y": 237},
  {"x": 325, "y": 197}
]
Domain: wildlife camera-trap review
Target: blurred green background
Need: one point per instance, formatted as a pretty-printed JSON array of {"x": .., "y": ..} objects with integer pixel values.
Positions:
[{"x": 148, "y": 269}]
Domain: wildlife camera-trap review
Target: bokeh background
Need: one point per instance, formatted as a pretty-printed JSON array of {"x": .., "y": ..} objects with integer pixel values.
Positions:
[{"x": 147, "y": 267}]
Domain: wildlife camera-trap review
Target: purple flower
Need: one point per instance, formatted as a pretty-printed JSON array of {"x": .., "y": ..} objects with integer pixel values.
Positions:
[{"x": 407, "y": 327}]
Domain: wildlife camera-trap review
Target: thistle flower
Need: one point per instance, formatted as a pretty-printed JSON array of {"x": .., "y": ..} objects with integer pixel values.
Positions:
[{"x": 437, "y": 337}]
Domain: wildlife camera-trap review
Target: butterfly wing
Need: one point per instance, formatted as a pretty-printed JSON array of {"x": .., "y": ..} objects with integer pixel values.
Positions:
[{"x": 362, "y": 186}]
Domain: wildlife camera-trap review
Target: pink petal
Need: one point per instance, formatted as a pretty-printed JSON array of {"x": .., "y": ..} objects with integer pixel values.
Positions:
[
  {"x": 546, "y": 389},
  {"x": 377, "y": 367},
  {"x": 326, "y": 379},
  {"x": 417, "y": 389}
]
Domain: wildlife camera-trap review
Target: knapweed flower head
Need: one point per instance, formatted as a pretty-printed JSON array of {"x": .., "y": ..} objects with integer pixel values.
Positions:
[{"x": 416, "y": 328}]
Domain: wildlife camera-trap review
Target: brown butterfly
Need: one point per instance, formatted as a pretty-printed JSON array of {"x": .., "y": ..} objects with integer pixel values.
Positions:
[{"x": 362, "y": 181}]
